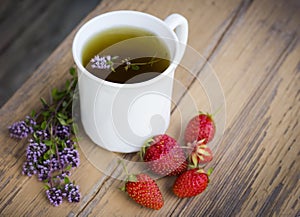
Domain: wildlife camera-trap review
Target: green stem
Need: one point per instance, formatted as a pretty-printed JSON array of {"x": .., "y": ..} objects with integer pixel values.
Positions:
[
  {"x": 124, "y": 167},
  {"x": 147, "y": 63}
]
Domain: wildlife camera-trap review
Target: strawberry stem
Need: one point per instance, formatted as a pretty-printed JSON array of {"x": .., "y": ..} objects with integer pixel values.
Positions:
[{"x": 124, "y": 167}]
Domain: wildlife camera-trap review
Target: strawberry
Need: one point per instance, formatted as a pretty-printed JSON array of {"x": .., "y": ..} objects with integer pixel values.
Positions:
[
  {"x": 144, "y": 190},
  {"x": 201, "y": 153},
  {"x": 164, "y": 155},
  {"x": 200, "y": 127},
  {"x": 191, "y": 183}
]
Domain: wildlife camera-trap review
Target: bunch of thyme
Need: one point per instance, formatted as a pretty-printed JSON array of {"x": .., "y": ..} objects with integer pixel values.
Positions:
[{"x": 52, "y": 147}]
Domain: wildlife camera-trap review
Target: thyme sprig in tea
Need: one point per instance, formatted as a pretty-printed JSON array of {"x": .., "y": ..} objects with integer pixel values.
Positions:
[{"x": 108, "y": 62}]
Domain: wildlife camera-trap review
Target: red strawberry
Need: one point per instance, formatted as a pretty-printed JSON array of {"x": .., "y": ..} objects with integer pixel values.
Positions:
[
  {"x": 201, "y": 154},
  {"x": 200, "y": 127},
  {"x": 191, "y": 183},
  {"x": 164, "y": 155},
  {"x": 144, "y": 190}
]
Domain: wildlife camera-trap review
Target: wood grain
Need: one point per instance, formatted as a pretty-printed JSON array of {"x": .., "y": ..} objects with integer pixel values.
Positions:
[
  {"x": 254, "y": 48},
  {"x": 30, "y": 31}
]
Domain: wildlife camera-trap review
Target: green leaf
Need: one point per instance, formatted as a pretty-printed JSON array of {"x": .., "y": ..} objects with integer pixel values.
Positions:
[
  {"x": 58, "y": 95},
  {"x": 54, "y": 93},
  {"x": 44, "y": 125},
  {"x": 33, "y": 113},
  {"x": 48, "y": 142},
  {"x": 61, "y": 115},
  {"x": 35, "y": 136},
  {"x": 68, "y": 82},
  {"x": 45, "y": 104},
  {"x": 75, "y": 128},
  {"x": 63, "y": 144},
  {"x": 66, "y": 180},
  {"x": 70, "y": 121},
  {"x": 46, "y": 114},
  {"x": 68, "y": 167},
  {"x": 61, "y": 121},
  {"x": 72, "y": 71},
  {"x": 47, "y": 187},
  {"x": 46, "y": 156},
  {"x": 64, "y": 104},
  {"x": 51, "y": 151},
  {"x": 135, "y": 67}
]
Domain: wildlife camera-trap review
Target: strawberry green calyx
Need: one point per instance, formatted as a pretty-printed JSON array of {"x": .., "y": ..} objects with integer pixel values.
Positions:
[
  {"x": 200, "y": 170},
  {"x": 194, "y": 160},
  {"x": 123, "y": 188},
  {"x": 132, "y": 178},
  {"x": 147, "y": 144},
  {"x": 201, "y": 150},
  {"x": 201, "y": 153},
  {"x": 207, "y": 114},
  {"x": 209, "y": 171}
]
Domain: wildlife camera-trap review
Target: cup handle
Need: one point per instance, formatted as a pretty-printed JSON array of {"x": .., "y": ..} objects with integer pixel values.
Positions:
[{"x": 179, "y": 25}]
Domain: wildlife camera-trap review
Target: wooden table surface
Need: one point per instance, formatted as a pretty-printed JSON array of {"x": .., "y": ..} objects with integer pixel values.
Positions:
[{"x": 254, "y": 47}]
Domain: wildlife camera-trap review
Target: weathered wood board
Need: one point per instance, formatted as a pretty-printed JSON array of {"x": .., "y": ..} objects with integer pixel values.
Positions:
[{"x": 254, "y": 48}]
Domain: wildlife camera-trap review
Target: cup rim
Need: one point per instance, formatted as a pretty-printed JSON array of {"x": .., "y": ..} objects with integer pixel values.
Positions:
[{"x": 78, "y": 63}]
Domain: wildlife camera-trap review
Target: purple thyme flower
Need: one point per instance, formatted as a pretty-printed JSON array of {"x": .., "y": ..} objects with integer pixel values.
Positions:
[
  {"x": 46, "y": 167},
  {"x": 55, "y": 196},
  {"x": 70, "y": 143},
  {"x": 30, "y": 121},
  {"x": 43, "y": 170},
  {"x": 35, "y": 151},
  {"x": 20, "y": 130},
  {"x": 64, "y": 174},
  {"x": 101, "y": 62},
  {"x": 63, "y": 131},
  {"x": 69, "y": 156},
  {"x": 71, "y": 191},
  {"x": 127, "y": 61},
  {"x": 42, "y": 134},
  {"x": 29, "y": 168}
]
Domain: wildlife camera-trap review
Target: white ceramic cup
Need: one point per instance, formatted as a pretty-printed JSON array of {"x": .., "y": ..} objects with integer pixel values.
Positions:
[{"x": 120, "y": 117}]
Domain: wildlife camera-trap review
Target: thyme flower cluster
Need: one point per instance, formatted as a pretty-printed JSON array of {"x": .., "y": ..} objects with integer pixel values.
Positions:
[
  {"x": 109, "y": 62},
  {"x": 52, "y": 152}
]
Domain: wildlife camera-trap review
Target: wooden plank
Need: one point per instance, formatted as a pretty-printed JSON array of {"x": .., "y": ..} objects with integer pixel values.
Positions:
[
  {"x": 30, "y": 31},
  {"x": 256, "y": 97},
  {"x": 263, "y": 87},
  {"x": 15, "y": 187},
  {"x": 108, "y": 194},
  {"x": 63, "y": 60},
  {"x": 256, "y": 56}
]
